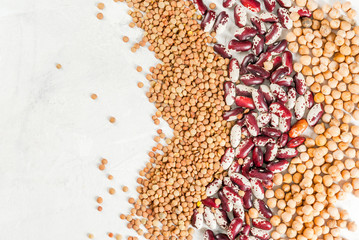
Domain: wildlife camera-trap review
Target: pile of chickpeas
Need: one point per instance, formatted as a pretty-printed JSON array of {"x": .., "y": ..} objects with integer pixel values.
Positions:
[{"x": 326, "y": 169}]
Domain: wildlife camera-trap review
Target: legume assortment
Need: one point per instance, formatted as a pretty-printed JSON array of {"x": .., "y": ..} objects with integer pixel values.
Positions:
[{"x": 239, "y": 158}]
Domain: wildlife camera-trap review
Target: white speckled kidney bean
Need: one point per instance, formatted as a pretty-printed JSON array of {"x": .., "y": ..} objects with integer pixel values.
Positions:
[
  {"x": 240, "y": 15},
  {"x": 252, "y": 5},
  {"x": 268, "y": 17},
  {"x": 280, "y": 110},
  {"x": 252, "y": 125},
  {"x": 197, "y": 219},
  {"x": 285, "y": 3},
  {"x": 263, "y": 119},
  {"x": 268, "y": 95},
  {"x": 271, "y": 152},
  {"x": 229, "y": 92},
  {"x": 258, "y": 44},
  {"x": 239, "y": 46},
  {"x": 228, "y": 3},
  {"x": 243, "y": 90},
  {"x": 247, "y": 165},
  {"x": 235, "y": 136},
  {"x": 259, "y": 233},
  {"x": 287, "y": 60},
  {"x": 227, "y": 158},
  {"x": 273, "y": 34},
  {"x": 233, "y": 70},
  {"x": 208, "y": 21},
  {"x": 285, "y": 81},
  {"x": 262, "y": 224},
  {"x": 231, "y": 115},
  {"x": 228, "y": 182},
  {"x": 300, "y": 84},
  {"x": 282, "y": 140},
  {"x": 250, "y": 79},
  {"x": 292, "y": 96},
  {"x": 274, "y": 120},
  {"x": 261, "y": 141},
  {"x": 202, "y": 8},
  {"x": 284, "y": 18},
  {"x": 284, "y": 124},
  {"x": 260, "y": 173},
  {"x": 257, "y": 188},
  {"x": 234, "y": 228},
  {"x": 286, "y": 153},
  {"x": 280, "y": 72},
  {"x": 221, "y": 218},
  {"x": 259, "y": 101},
  {"x": 231, "y": 195},
  {"x": 309, "y": 99},
  {"x": 278, "y": 92},
  {"x": 209, "y": 218},
  {"x": 299, "y": 108},
  {"x": 234, "y": 168},
  {"x": 302, "y": 11},
  {"x": 241, "y": 181},
  {"x": 225, "y": 203},
  {"x": 314, "y": 114},
  {"x": 221, "y": 21},
  {"x": 213, "y": 187},
  {"x": 238, "y": 211}
]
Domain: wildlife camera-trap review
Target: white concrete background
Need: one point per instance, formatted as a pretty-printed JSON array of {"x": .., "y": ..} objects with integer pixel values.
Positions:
[{"x": 53, "y": 135}]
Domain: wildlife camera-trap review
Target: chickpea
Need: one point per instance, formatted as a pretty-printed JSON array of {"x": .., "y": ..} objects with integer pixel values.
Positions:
[
  {"x": 352, "y": 226},
  {"x": 326, "y": 8},
  {"x": 346, "y": 6},
  {"x": 293, "y": 47},
  {"x": 318, "y": 14},
  {"x": 303, "y": 50},
  {"x": 345, "y": 26},
  {"x": 334, "y": 13},
  {"x": 351, "y": 14}
]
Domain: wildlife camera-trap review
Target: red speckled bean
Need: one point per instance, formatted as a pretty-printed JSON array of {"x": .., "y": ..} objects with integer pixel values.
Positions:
[
  {"x": 245, "y": 102},
  {"x": 271, "y": 152},
  {"x": 309, "y": 99},
  {"x": 257, "y": 157},
  {"x": 221, "y": 22},
  {"x": 252, "y": 125},
  {"x": 247, "y": 199},
  {"x": 262, "y": 224},
  {"x": 296, "y": 142},
  {"x": 245, "y": 62},
  {"x": 282, "y": 140},
  {"x": 261, "y": 141},
  {"x": 221, "y": 218},
  {"x": 258, "y": 44},
  {"x": 202, "y": 8},
  {"x": 261, "y": 173},
  {"x": 240, "y": 46},
  {"x": 259, "y": 233},
  {"x": 279, "y": 73},
  {"x": 259, "y": 101},
  {"x": 268, "y": 95},
  {"x": 222, "y": 236},
  {"x": 245, "y": 33},
  {"x": 278, "y": 165},
  {"x": 258, "y": 71},
  {"x": 279, "y": 93},
  {"x": 225, "y": 203},
  {"x": 263, "y": 119},
  {"x": 222, "y": 50},
  {"x": 269, "y": 5},
  {"x": 277, "y": 47},
  {"x": 247, "y": 164},
  {"x": 232, "y": 114},
  {"x": 303, "y": 12},
  {"x": 249, "y": 79},
  {"x": 299, "y": 108},
  {"x": 273, "y": 34},
  {"x": 209, "y": 218},
  {"x": 252, "y": 5},
  {"x": 234, "y": 168},
  {"x": 234, "y": 228},
  {"x": 271, "y": 132},
  {"x": 228, "y": 3},
  {"x": 238, "y": 211},
  {"x": 208, "y": 21},
  {"x": 258, "y": 24},
  {"x": 242, "y": 182},
  {"x": 231, "y": 195},
  {"x": 209, "y": 235},
  {"x": 243, "y": 90},
  {"x": 262, "y": 208},
  {"x": 292, "y": 97},
  {"x": 211, "y": 202}
]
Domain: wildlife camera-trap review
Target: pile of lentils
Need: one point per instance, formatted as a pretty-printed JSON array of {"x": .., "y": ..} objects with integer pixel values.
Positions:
[{"x": 187, "y": 90}]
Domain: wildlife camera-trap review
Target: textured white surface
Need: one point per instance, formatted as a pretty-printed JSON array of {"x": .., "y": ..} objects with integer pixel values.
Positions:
[{"x": 53, "y": 135}]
